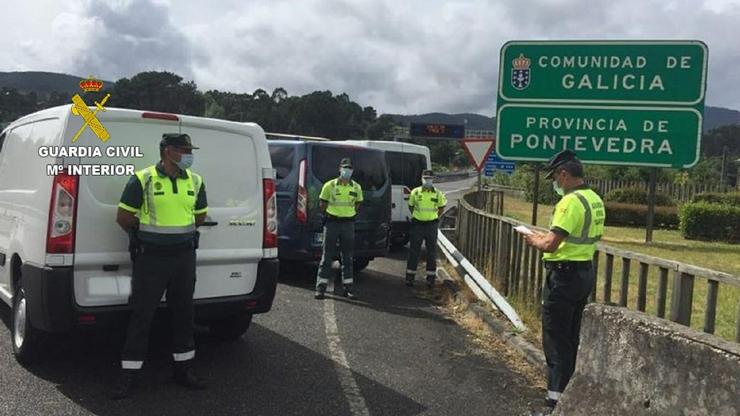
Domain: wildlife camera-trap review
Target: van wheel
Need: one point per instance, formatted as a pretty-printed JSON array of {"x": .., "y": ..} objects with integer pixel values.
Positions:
[
  {"x": 231, "y": 328},
  {"x": 26, "y": 339},
  {"x": 360, "y": 263}
]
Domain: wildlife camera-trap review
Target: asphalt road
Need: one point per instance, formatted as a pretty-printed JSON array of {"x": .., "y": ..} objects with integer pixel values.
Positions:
[
  {"x": 455, "y": 188},
  {"x": 390, "y": 353}
]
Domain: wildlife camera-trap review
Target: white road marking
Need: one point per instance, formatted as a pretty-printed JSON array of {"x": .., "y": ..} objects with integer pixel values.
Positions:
[{"x": 351, "y": 390}]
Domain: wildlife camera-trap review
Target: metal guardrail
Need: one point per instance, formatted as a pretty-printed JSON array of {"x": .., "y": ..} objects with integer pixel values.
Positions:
[
  {"x": 489, "y": 241},
  {"x": 449, "y": 176},
  {"x": 679, "y": 192},
  {"x": 476, "y": 282}
]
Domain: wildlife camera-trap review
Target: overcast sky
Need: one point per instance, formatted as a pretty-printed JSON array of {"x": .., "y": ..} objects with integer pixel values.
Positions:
[{"x": 399, "y": 56}]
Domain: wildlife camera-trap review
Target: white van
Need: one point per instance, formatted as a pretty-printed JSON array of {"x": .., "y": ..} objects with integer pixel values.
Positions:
[
  {"x": 406, "y": 162},
  {"x": 64, "y": 262}
]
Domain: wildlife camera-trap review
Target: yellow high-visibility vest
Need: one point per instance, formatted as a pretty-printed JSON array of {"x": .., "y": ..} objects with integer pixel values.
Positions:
[
  {"x": 162, "y": 210},
  {"x": 425, "y": 204},
  {"x": 581, "y": 213},
  {"x": 341, "y": 199}
]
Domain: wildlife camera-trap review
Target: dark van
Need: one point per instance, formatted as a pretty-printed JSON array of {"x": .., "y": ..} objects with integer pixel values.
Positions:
[{"x": 302, "y": 167}]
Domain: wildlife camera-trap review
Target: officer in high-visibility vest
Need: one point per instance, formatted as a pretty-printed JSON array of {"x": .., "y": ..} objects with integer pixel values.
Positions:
[
  {"x": 577, "y": 225},
  {"x": 160, "y": 208},
  {"x": 340, "y": 199},
  {"x": 426, "y": 204}
]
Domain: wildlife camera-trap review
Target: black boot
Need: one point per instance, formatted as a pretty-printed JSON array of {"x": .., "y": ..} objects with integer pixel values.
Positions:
[
  {"x": 185, "y": 376},
  {"x": 125, "y": 383},
  {"x": 349, "y": 293},
  {"x": 320, "y": 290},
  {"x": 430, "y": 281}
]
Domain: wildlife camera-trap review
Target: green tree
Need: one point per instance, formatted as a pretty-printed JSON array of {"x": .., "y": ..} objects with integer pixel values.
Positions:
[{"x": 158, "y": 91}]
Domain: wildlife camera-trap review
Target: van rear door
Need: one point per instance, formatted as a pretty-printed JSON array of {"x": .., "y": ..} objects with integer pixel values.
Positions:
[{"x": 230, "y": 248}]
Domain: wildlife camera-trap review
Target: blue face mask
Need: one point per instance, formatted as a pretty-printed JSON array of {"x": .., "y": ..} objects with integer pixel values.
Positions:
[
  {"x": 345, "y": 173},
  {"x": 186, "y": 161},
  {"x": 427, "y": 182}
]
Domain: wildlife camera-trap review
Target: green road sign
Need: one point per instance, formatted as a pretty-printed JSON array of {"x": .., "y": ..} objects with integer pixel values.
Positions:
[
  {"x": 617, "y": 72},
  {"x": 641, "y": 136},
  {"x": 612, "y": 102}
]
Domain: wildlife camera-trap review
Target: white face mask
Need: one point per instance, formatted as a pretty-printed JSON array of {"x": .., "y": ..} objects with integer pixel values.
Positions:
[
  {"x": 345, "y": 173},
  {"x": 186, "y": 161},
  {"x": 557, "y": 188},
  {"x": 427, "y": 182}
]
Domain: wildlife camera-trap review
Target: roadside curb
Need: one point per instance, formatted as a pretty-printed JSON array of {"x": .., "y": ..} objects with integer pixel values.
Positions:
[{"x": 532, "y": 354}]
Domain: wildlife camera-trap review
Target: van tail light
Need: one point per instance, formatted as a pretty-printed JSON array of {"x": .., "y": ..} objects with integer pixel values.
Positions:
[
  {"x": 269, "y": 234},
  {"x": 60, "y": 235},
  {"x": 301, "y": 206},
  {"x": 406, "y": 193}
]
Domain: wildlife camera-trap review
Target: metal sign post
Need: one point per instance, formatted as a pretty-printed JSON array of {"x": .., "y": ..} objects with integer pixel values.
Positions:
[{"x": 651, "y": 206}]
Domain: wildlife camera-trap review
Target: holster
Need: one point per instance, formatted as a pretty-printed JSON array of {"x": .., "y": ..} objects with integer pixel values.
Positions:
[{"x": 134, "y": 245}]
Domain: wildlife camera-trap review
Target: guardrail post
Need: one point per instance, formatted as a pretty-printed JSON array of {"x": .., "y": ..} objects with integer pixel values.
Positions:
[
  {"x": 711, "y": 308},
  {"x": 625, "y": 281},
  {"x": 683, "y": 293},
  {"x": 595, "y": 262},
  {"x": 662, "y": 290},
  {"x": 642, "y": 287},
  {"x": 737, "y": 324},
  {"x": 516, "y": 260},
  {"x": 608, "y": 277}
]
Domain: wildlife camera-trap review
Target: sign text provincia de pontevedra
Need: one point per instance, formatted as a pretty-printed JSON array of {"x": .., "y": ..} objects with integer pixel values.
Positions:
[{"x": 69, "y": 160}]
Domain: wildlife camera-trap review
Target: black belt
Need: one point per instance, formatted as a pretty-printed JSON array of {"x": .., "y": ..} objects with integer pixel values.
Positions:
[
  {"x": 568, "y": 265},
  {"x": 173, "y": 248},
  {"x": 330, "y": 217},
  {"x": 415, "y": 221}
]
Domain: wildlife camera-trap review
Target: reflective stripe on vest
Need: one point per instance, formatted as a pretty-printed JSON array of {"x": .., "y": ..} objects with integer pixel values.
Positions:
[
  {"x": 150, "y": 218},
  {"x": 164, "y": 229},
  {"x": 425, "y": 208},
  {"x": 584, "y": 238},
  {"x": 346, "y": 206}
]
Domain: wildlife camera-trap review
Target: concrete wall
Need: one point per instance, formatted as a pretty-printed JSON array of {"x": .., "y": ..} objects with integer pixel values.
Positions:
[{"x": 630, "y": 363}]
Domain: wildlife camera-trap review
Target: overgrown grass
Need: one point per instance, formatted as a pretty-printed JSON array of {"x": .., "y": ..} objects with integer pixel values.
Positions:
[{"x": 667, "y": 244}]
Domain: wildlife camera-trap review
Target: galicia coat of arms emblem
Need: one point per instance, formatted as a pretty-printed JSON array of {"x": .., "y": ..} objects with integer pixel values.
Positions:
[{"x": 520, "y": 74}]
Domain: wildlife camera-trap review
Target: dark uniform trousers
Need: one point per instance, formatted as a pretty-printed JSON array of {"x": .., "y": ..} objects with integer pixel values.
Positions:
[
  {"x": 155, "y": 271},
  {"x": 425, "y": 231},
  {"x": 564, "y": 297},
  {"x": 342, "y": 232}
]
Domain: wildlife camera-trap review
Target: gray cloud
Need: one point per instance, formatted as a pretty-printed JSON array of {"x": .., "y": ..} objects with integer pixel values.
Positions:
[{"x": 134, "y": 36}]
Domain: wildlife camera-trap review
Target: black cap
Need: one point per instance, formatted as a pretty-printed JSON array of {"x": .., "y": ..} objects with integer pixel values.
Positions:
[
  {"x": 427, "y": 173},
  {"x": 345, "y": 163},
  {"x": 177, "y": 139},
  {"x": 559, "y": 160}
]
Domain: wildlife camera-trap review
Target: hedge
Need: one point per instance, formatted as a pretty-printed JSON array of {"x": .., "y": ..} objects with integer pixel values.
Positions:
[
  {"x": 637, "y": 196},
  {"x": 710, "y": 222},
  {"x": 730, "y": 198},
  {"x": 634, "y": 215}
]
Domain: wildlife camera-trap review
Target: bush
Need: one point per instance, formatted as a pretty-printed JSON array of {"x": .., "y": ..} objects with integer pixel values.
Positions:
[
  {"x": 523, "y": 178},
  {"x": 710, "y": 222},
  {"x": 634, "y": 215},
  {"x": 729, "y": 198},
  {"x": 637, "y": 196},
  {"x": 499, "y": 178}
]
